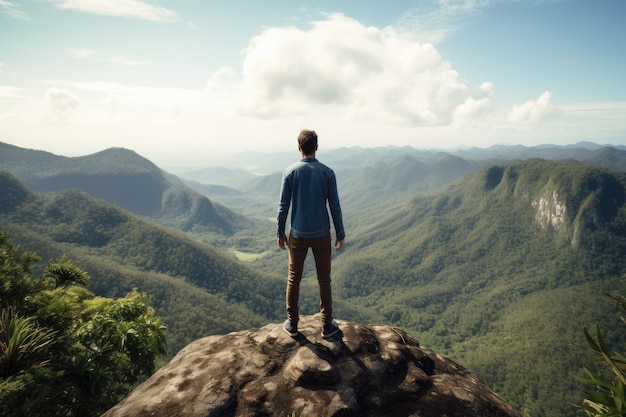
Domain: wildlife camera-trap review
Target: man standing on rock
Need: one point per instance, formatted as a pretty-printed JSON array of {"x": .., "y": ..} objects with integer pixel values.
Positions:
[{"x": 310, "y": 188}]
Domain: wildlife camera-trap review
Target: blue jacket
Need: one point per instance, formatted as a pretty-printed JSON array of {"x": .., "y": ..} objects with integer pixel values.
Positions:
[{"x": 308, "y": 186}]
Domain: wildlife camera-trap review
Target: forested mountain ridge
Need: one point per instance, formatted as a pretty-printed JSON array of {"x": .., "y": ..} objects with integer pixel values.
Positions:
[
  {"x": 374, "y": 178},
  {"x": 501, "y": 270},
  {"x": 195, "y": 288},
  {"x": 126, "y": 179}
]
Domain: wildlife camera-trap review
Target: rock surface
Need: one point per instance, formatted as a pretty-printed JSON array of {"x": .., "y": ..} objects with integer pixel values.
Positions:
[{"x": 365, "y": 371}]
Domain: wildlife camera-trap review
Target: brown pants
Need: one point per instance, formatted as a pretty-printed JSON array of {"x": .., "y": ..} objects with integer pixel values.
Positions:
[{"x": 298, "y": 249}]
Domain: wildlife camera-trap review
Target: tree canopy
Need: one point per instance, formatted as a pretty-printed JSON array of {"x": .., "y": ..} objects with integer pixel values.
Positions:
[{"x": 63, "y": 350}]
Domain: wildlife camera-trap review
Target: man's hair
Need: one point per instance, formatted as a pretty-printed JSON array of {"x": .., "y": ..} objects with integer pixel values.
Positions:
[{"x": 307, "y": 141}]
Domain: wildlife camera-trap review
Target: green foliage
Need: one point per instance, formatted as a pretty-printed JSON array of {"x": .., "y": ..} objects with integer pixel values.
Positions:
[
  {"x": 14, "y": 270},
  {"x": 608, "y": 397},
  {"x": 62, "y": 273},
  {"x": 64, "y": 351}
]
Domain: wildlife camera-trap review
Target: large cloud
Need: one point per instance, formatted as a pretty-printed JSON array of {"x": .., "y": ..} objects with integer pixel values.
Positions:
[{"x": 366, "y": 72}]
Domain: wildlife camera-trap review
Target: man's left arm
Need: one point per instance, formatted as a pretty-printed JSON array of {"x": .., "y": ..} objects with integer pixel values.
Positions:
[{"x": 335, "y": 210}]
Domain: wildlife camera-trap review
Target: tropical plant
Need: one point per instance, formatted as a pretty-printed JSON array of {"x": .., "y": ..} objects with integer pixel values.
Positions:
[
  {"x": 21, "y": 343},
  {"x": 64, "y": 351},
  {"x": 607, "y": 398}
]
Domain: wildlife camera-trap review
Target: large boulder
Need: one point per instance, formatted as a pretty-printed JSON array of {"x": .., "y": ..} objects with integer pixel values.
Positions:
[{"x": 365, "y": 371}]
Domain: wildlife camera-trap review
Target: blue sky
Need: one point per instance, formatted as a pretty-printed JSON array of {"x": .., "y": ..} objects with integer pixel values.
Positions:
[{"x": 191, "y": 81}]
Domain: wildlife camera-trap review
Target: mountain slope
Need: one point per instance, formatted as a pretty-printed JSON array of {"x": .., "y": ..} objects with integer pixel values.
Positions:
[
  {"x": 194, "y": 287},
  {"x": 126, "y": 179},
  {"x": 501, "y": 270}
]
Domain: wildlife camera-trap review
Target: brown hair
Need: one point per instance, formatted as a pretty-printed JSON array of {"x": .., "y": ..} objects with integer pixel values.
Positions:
[{"x": 307, "y": 141}]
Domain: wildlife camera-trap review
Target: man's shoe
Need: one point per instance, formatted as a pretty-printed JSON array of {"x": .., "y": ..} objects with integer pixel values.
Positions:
[
  {"x": 290, "y": 328},
  {"x": 330, "y": 330}
]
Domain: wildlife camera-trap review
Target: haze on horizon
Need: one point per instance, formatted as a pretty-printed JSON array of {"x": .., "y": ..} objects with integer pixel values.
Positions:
[{"x": 191, "y": 82}]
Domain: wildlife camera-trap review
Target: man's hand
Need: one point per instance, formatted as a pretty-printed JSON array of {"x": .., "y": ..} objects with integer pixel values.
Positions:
[
  {"x": 339, "y": 244},
  {"x": 281, "y": 242}
]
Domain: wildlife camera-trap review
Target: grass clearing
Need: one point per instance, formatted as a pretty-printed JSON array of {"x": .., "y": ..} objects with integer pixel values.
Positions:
[{"x": 248, "y": 257}]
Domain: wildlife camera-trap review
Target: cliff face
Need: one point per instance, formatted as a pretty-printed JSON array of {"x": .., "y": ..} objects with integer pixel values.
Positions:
[{"x": 365, "y": 371}]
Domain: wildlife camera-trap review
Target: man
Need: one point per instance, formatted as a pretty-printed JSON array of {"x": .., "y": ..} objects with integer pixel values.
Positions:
[{"x": 310, "y": 189}]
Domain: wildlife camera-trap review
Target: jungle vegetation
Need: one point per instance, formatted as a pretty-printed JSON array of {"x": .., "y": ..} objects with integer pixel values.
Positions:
[{"x": 63, "y": 350}]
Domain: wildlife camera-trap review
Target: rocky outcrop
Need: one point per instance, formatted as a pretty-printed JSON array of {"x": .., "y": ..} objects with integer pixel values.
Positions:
[
  {"x": 365, "y": 371},
  {"x": 550, "y": 211}
]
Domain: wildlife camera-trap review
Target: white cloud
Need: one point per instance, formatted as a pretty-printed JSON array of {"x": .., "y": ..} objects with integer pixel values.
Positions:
[
  {"x": 367, "y": 73},
  {"x": 83, "y": 53},
  {"x": 13, "y": 10},
  {"x": 60, "y": 105},
  {"x": 129, "y": 62},
  {"x": 434, "y": 21},
  {"x": 112, "y": 103},
  {"x": 533, "y": 112},
  {"x": 9, "y": 92},
  {"x": 470, "y": 113},
  {"x": 87, "y": 53},
  {"x": 124, "y": 8},
  {"x": 596, "y": 118}
]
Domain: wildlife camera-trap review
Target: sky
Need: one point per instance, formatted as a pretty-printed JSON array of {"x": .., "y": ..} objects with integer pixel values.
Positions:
[{"x": 190, "y": 82}]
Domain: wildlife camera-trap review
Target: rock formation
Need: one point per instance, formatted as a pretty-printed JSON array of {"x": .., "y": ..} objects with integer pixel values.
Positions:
[{"x": 365, "y": 371}]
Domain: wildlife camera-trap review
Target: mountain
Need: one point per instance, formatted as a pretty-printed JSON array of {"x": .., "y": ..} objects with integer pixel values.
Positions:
[
  {"x": 124, "y": 178},
  {"x": 500, "y": 271},
  {"x": 584, "y": 152},
  {"x": 398, "y": 177},
  {"x": 366, "y": 371},
  {"x": 609, "y": 157},
  {"x": 195, "y": 288},
  {"x": 498, "y": 265}
]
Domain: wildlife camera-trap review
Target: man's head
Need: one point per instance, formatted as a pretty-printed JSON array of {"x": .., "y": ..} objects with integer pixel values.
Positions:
[{"x": 307, "y": 142}]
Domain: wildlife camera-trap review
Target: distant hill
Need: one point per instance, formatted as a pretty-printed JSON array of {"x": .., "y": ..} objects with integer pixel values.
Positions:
[
  {"x": 126, "y": 179},
  {"x": 195, "y": 288},
  {"x": 607, "y": 156},
  {"x": 393, "y": 179}
]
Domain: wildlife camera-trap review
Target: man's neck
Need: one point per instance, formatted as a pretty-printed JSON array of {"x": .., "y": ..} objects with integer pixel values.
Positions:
[{"x": 308, "y": 156}]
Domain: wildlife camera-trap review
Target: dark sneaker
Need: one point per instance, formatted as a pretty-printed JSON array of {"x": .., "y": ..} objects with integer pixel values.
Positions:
[
  {"x": 330, "y": 330},
  {"x": 290, "y": 328}
]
